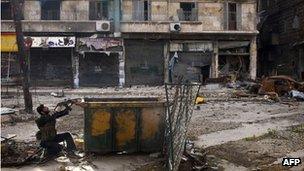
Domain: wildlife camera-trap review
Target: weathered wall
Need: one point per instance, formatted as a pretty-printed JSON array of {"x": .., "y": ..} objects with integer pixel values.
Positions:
[
  {"x": 74, "y": 10},
  {"x": 31, "y": 10},
  {"x": 212, "y": 15},
  {"x": 283, "y": 56},
  {"x": 159, "y": 10},
  {"x": 249, "y": 15},
  {"x": 126, "y": 10},
  {"x": 173, "y": 7},
  {"x": 51, "y": 26}
]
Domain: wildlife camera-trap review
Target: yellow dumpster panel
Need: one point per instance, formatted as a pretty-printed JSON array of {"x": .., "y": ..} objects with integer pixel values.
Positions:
[
  {"x": 126, "y": 122},
  {"x": 100, "y": 123},
  {"x": 150, "y": 122}
]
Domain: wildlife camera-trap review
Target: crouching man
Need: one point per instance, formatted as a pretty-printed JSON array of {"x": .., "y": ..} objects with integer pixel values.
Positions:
[{"x": 47, "y": 133}]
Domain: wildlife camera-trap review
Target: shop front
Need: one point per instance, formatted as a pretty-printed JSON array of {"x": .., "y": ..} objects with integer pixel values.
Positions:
[
  {"x": 193, "y": 60},
  {"x": 51, "y": 61},
  {"x": 99, "y": 62},
  {"x": 144, "y": 62},
  {"x": 10, "y": 70}
]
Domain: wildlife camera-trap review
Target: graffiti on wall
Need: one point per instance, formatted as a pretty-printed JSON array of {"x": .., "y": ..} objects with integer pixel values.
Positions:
[
  {"x": 99, "y": 43},
  {"x": 56, "y": 42}
]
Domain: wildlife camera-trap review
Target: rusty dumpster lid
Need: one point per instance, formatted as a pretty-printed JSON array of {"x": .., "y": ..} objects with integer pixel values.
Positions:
[
  {"x": 123, "y": 98},
  {"x": 124, "y": 102}
]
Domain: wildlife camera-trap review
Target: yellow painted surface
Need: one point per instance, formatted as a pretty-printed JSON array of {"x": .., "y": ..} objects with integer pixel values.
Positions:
[
  {"x": 8, "y": 43},
  {"x": 200, "y": 100},
  {"x": 79, "y": 143},
  {"x": 100, "y": 123},
  {"x": 126, "y": 122},
  {"x": 150, "y": 122}
]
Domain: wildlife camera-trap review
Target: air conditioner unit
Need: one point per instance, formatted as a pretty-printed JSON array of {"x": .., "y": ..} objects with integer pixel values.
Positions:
[
  {"x": 103, "y": 26},
  {"x": 175, "y": 27}
]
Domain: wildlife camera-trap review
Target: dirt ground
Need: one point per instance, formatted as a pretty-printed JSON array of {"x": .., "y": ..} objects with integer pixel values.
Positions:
[
  {"x": 249, "y": 134},
  {"x": 238, "y": 133}
]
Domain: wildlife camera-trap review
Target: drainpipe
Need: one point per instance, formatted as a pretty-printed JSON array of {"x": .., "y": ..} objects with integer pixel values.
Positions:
[{"x": 117, "y": 14}]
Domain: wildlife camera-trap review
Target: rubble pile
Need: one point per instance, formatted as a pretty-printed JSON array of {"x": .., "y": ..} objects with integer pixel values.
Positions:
[
  {"x": 272, "y": 88},
  {"x": 277, "y": 86},
  {"x": 17, "y": 153}
]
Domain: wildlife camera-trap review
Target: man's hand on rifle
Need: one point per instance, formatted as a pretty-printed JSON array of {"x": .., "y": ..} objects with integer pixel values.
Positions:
[
  {"x": 68, "y": 104},
  {"x": 80, "y": 103}
]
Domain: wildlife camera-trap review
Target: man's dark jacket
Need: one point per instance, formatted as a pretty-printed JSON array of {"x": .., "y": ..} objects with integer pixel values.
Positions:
[{"x": 47, "y": 125}]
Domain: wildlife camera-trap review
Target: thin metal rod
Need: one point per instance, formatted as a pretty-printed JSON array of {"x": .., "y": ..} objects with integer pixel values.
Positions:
[{"x": 170, "y": 131}]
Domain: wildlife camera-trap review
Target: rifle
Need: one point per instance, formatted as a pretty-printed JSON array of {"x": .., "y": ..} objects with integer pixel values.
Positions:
[{"x": 67, "y": 103}]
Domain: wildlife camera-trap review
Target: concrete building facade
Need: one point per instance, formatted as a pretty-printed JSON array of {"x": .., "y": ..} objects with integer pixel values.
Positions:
[
  {"x": 212, "y": 38},
  {"x": 281, "y": 38},
  {"x": 130, "y": 42}
]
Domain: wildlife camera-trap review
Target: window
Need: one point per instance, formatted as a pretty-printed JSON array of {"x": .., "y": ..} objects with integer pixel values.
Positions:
[
  {"x": 232, "y": 24},
  {"x": 6, "y": 13},
  {"x": 98, "y": 10},
  {"x": 187, "y": 11},
  {"x": 146, "y": 11},
  {"x": 50, "y": 10},
  {"x": 141, "y": 10}
]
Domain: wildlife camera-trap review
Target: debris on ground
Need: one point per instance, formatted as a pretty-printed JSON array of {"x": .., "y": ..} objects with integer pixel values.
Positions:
[
  {"x": 155, "y": 155},
  {"x": 17, "y": 153},
  {"x": 193, "y": 158},
  {"x": 7, "y": 118},
  {"x": 5, "y": 111},
  {"x": 280, "y": 85},
  {"x": 200, "y": 100},
  {"x": 297, "y": 95},
  {"x": 58, "y": 94},
  {"x": 7, "y": 115},
  {"x": 241, "y": 116},
  {"x": 272, "y": 96},
  {"x": 242, "y": 94},
  {"x": 79, "y": 142}
]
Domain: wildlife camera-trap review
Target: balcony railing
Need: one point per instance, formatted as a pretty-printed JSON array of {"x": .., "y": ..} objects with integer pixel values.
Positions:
[{"x": 187, "y": 15}]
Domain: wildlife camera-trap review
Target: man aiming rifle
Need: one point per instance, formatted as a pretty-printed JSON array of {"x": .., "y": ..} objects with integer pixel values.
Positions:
[{"x": 47, "y": 133}]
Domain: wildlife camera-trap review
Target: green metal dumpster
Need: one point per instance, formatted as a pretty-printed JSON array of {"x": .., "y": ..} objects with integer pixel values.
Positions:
[{"x": 124, "y": 124}]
